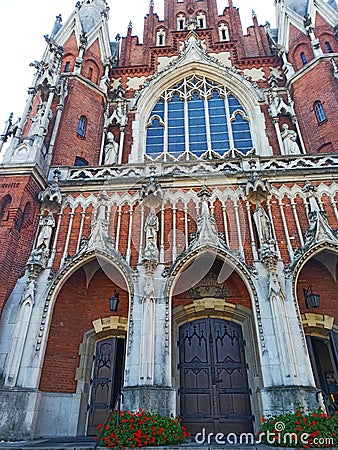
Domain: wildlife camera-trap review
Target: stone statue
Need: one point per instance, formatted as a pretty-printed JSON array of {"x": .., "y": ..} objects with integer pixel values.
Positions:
[
  {"x": 289, "y": 138},
  {"x": 263, "y": 226},
  {"x": 36, "y": 122},
  {"x": 151, "y": 228},
  {"x": 47, "y": 223},
  {"x": 111, "y": 149}
]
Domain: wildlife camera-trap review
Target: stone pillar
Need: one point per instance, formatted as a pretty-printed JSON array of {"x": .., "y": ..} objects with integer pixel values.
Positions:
[{"x": 148, "y": 371}]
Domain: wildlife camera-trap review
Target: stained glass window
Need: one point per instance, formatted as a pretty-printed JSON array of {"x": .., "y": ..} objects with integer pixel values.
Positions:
[{"x": 198, "y": 118}]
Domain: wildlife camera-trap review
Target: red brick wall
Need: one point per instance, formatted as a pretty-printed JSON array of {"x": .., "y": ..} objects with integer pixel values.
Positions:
[
  {"x": 16, "y": 240},
  {"x": 82, "y": 100},
  {"x": 324, "y": 282},
  {"x": 305, "y": 93},
  {"x": 75, "y": 309}
]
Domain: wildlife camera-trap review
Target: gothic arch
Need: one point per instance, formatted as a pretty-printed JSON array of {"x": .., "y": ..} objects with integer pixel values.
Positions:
[
  {"x": 234, "y": 263},
  {"x": 309, "y": 254},
  {"x": 207, "y": 67},
  {"x": 76, "y": 263},
  {"x": 81, "y": 260},
  {"x": 185, "y": 259}
]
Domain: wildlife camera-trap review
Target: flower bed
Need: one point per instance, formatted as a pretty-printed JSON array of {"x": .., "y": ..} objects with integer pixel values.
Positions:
[
  {"x": 140, "y": 429},
  {"x": 300, "y": 429}
]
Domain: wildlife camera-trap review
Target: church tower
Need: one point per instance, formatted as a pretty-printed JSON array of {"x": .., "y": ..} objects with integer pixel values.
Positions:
[{"x": 168, "y": 214}]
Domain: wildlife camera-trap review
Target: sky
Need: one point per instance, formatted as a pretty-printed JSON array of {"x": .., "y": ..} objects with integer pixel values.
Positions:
[{"x": 23, "y": 24}]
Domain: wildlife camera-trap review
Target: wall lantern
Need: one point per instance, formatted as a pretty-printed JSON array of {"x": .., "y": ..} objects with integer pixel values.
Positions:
[
  {"x": 311, "y": 299},
  {"x": 114, "y": 301}
]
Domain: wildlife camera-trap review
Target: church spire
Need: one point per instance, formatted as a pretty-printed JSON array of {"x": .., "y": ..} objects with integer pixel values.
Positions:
[{"x": 91, "y": 13}]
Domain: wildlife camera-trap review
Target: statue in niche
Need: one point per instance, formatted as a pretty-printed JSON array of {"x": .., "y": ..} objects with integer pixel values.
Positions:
[
  {"x": 37, "y": 123},
  {"x": 151, "y": 228},
  {"x": 263, "y": 226},
  {"x": 111, "y": 149},
  {"x": 289, "y": 138},
  {"x": 47, "y": 224}
]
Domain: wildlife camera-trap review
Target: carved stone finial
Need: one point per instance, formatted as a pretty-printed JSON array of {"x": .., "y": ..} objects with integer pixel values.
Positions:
[
  {"x": 151, "y": 193},
  {"x": 256, "y": 189}
]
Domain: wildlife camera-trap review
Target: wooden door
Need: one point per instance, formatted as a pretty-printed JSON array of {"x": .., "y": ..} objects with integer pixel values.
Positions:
[
  {"x": 214, "y": 391},
  {"x": 106, "y": 382}
]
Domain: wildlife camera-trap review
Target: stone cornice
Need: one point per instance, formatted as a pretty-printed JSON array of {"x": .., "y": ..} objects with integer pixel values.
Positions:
[{"x": 18, "y": 170}]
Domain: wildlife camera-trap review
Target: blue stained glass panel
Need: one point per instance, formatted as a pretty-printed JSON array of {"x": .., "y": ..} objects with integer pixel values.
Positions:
[
  {"x": 176, "y": 130},
  {"x": 218, "y": 124},
  {"x": 234, "y": 104},
  {"x": 197, "y": 128},
  {"x": 241, "y": 134},
  {"x": 155, "y": 139}
]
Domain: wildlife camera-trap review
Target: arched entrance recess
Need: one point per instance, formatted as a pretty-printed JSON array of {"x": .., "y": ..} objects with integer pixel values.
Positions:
[
  {"x": 84, "y": 368},
  {"x": 216, "y": 354},
  {"x": 319, "y": 271}
]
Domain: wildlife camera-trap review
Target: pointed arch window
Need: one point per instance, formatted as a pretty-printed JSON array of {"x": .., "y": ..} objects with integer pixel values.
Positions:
[
  {"x": 198, "y": 119},
  {"x": 67, "y": 66},
  {"x": 320, "y": 112},
  {"x": 82, "y": 127},
  {"x": 303, "y": 58},
  {"x": 328, "y": 47},
  {"x": 4, "y": 207},
  {"x": 201, "y": 20},
  {"x": 180, "y": 22},
  {"x": 223, "y": 31},
  {"x": 160, "y": 37}
]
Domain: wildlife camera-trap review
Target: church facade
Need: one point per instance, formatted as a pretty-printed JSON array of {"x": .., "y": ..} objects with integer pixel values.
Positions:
[{"x": 168, "y": 221}]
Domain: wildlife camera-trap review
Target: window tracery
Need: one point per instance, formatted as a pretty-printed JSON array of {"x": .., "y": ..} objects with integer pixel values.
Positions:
[{"x": 198, "y": 118}]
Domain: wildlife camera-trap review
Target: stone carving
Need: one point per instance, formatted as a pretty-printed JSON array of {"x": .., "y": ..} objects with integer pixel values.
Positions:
[
  {"x": 111, "y": 149},
  {"x": 40, "y": 123},
  {"x": 151, "y": 229},
  {"x": 99, "y": 235},
  {"x": 51, "y": 197},
  {"x": 263, "y": 226},
  {"x": 40, "y": 254},
  {"x": 318, "y": 230},
  {"x": 275, "y": 288},
  {"x": 277, "y": 105},
  {"x": 256, "y": 189},
  {"x": 206, "y": 225},
  {"x": 119, "y": 114},
  {"x": 47, "y": 223},
  {"x": 29, "y": 292},
  {"x": 208, "y": 287},
  {"x": 151, "y": 193},
  {"x": 147, "y": 343},
  {"x": 267, "y": 243},
  {"x": 289, "y": 138}
]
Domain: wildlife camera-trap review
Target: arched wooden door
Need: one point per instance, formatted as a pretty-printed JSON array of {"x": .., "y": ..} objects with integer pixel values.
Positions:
[
  {"x": 106, "y": 381},
  {"x": 213, "y": 391}
]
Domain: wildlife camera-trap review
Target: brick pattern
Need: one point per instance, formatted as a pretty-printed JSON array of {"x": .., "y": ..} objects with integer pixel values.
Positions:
[
  {"x": 17, "y": 232},
  {"x": 76, "y": 307}
]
